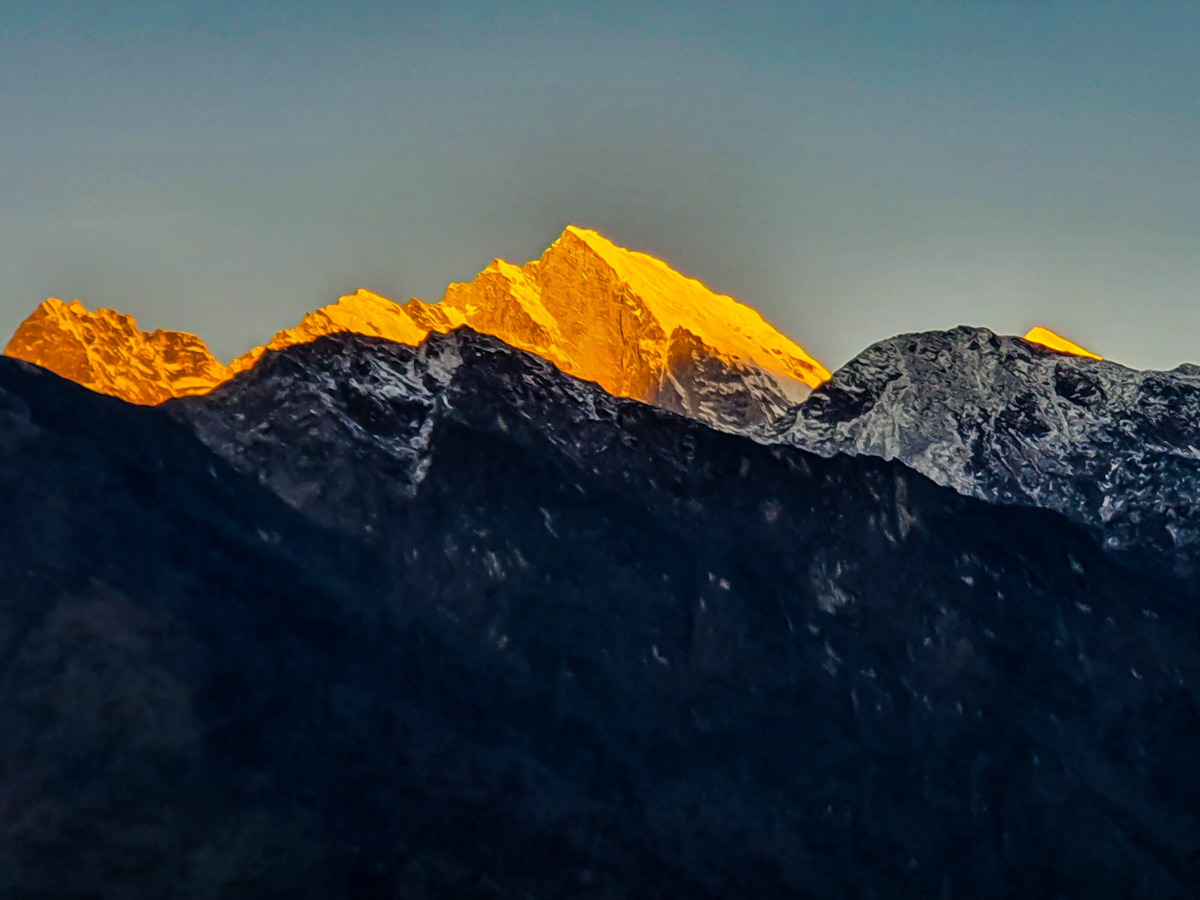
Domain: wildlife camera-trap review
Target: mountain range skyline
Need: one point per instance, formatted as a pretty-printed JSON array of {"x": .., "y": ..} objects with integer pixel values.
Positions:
[
  {"x": 851, "y": 170},
  {"x": 446, "y": 599},
  {"x": 583, "y": 282},
  {"x": 560, "y": 450},
  {"x": 620, "y": 318},
  {"x": 240, "y": 359}
]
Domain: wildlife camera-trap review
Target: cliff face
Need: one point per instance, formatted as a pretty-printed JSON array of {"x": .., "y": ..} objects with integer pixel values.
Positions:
[
  {"x": 106, "y": 351},
  {"x": 622, "y": 319},
  {"x": 611, "y": 300}
]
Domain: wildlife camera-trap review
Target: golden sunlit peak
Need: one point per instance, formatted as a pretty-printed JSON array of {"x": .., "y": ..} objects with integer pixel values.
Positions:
[
  {"x": 106, "y": 351},
  {"x": 720, "y": 321},
  {"x": 620, "y": 318},
  {"x": 1048, "y": 338},
  {"x": 363, "y": 312}
]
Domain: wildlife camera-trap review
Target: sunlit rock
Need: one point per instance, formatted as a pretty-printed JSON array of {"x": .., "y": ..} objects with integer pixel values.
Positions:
[
  {"x": 620, "y": 318},
  {"x": 361, "y": 313},
  {"x": 1048, "y": 338},
  {"x": 106, "y": 351}
]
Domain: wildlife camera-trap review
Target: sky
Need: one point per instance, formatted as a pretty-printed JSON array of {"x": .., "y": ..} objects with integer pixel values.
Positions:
[{"x": 852, "y": 170}]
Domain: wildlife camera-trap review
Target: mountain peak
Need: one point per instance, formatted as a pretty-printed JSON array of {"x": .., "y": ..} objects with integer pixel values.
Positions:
[
  {"x": 1048, "y": 338},
  {"x": 720, "y": 321},
  {"x": 639, "y": 329},
  {"x": 363, "y": 312},
  {"x": 617, "y": 317},
  {"x": 1004, "y": 420},
  {"x": 107, "y": 352}
]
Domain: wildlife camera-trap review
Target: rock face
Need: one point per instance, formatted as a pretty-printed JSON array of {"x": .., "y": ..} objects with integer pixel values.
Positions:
[
  {"x": 107, "y": 352},
  {"x": 619, "y": 318},
  {"x": 1009, "y": 421},
  {"x": 630, "y": 323},
  {"x": 511, "y": 636},
  {"x": 374, "y": 405}
]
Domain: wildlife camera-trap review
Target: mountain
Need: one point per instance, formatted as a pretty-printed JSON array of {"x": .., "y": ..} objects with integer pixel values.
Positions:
[
  {"x": 510, "y": 636},
  {"x": 155, "y": 629},
  {"x": 1047, "y": 338},
  {"x": 1010, "y": 421},
  {"x": 619, "y": 318},
  {"x": 107, "y": 352},
  {"x": 636, "y": 327},
  {"x": 360, "y": 313},
  {"x": 921, "y": 693}
]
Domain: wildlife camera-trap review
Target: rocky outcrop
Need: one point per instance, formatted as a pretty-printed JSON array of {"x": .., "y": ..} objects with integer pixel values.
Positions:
[
  {"x": 106, "y": 351},
  {"x": 1011, "y": 421}
]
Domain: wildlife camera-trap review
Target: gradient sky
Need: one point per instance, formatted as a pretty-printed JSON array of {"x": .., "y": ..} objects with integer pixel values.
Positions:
[{"x": 853, "y": 170}]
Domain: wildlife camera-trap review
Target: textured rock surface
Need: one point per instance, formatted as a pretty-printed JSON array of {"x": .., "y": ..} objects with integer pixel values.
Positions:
[
  {"x": 107, "y": 352},
  {"x": 826, "y": 596},
  {"x": 1006, "y": 420}
]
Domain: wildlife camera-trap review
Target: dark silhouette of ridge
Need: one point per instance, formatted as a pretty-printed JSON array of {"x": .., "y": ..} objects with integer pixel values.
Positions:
[{"x": 442, "y": 621}]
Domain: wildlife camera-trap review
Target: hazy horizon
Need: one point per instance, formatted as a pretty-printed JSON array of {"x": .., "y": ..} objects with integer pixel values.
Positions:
[{"x": 851, "y": 171}]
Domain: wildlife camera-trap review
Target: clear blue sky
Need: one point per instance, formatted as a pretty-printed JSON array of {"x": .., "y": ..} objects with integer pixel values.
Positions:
[{"x": 853, "y": 170}]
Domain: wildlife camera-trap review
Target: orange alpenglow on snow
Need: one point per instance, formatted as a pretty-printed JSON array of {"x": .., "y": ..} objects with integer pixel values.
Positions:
[
  {"x": 106, "y": 351},
  {"x": 360, "y": 313},
  {"x": 595, "y": 310},
  {"x": 1048, "y": 338},
  {"x": 617, "y": 317}
]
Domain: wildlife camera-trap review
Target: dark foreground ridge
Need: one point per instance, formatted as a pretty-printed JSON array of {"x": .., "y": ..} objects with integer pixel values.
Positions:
[{"x": 511, "y": 637}]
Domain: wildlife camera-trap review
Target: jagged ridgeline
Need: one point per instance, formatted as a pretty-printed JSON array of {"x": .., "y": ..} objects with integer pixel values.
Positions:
[
  {"x": 622, "y": 319},
  {"x": 1009, "y": 421},
  {"x": 443, "y": 621},
  {"x": 390, "y": 608}
]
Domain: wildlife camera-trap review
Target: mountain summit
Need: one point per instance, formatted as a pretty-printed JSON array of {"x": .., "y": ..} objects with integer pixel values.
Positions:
[
  {"x": 620, "y": 318},
  {"x": 623, "y": 319},
  {"x": 1049, "y": 339},
  {"x": 1012, "y": 421},
  {"x": 106, "y": 351}
]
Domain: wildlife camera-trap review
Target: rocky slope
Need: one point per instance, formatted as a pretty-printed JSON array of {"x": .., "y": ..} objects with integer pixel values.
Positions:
[
  {"x": 619, "y": 318},
  {"x": 774, "y": 674},
  {"x": 107, "y": 352},
  {"x": 1006, "y": 420}
]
